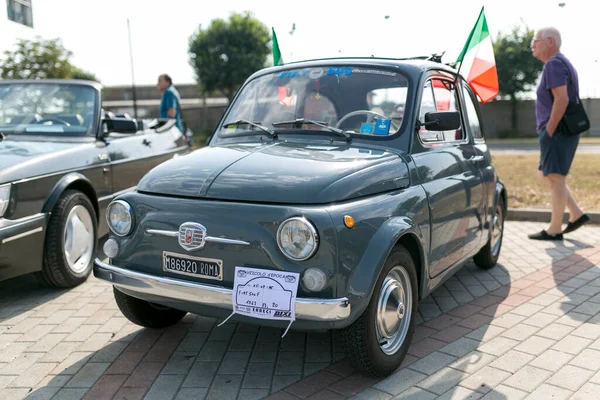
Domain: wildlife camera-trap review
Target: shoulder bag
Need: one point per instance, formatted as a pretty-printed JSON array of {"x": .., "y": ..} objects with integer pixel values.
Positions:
[{"x": 575, "y": 119}]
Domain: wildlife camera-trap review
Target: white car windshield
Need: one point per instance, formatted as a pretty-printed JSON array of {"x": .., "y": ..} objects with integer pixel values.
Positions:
[
  {"x": 47, "y": 108},
  {"x": 357, "y": 100}
]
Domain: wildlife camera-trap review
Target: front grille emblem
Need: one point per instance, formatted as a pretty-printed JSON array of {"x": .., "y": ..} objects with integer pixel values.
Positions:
[{"x": 192, "y": 236}]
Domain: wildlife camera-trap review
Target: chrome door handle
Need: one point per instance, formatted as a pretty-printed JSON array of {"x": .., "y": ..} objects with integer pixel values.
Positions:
[{"x": 476, "y": 158}]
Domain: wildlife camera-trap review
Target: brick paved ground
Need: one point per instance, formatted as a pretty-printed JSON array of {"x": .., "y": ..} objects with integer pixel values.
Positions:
[{"x": 530, "y": 325}]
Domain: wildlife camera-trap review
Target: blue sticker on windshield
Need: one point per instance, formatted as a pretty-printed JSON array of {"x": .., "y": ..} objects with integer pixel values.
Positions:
[
  {"x": 339, "y": 71},
  {"x": 367, "y": 127},
  {"x": 382, "y": 126}
]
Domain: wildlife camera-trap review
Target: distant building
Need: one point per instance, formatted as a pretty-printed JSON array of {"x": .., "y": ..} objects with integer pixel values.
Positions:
[{"x": 16, "y": 21}]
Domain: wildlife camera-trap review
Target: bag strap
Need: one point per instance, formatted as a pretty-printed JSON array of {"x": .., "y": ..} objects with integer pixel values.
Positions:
[{"x": 570, "y": 77}]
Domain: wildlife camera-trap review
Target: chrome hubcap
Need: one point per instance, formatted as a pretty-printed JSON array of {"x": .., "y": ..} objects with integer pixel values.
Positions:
[
  {"x": 497, "y": 229},
  {"x": 79, "y": 239},
  {"x": 394, "y": 308}
]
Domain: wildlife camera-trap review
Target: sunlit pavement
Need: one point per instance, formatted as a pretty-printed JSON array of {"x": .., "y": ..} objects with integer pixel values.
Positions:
[{"x": 528, "y": 327}]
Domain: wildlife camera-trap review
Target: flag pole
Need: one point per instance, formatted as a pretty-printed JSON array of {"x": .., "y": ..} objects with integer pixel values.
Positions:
[
  {"x": 135, "y": 115},
  {"x": 464, "y": 50}
]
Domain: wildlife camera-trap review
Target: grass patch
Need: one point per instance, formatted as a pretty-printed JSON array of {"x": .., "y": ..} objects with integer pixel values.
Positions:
[
  {"x": 519, "y": 173},
  {"x": 534, "y": 140}
]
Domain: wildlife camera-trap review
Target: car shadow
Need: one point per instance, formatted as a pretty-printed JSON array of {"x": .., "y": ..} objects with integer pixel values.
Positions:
[{"x": 20, "y": 295}]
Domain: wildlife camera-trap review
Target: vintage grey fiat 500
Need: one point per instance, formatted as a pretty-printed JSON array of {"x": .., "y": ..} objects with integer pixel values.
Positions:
[{"x": 333, "y": 194}]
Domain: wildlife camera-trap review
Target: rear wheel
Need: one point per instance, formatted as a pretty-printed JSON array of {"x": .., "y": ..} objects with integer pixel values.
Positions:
[
  {"x": 146, "y": 314},
  {"x": 377, "y": 342},
  {"x": 71, "y": 241},
  {"x": 489, "y": 254}
]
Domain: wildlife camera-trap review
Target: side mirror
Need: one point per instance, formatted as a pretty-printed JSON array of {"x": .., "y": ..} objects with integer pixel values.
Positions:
[
  {"x": 442, "y": 121},
  {"x": 120, "y": 125}
]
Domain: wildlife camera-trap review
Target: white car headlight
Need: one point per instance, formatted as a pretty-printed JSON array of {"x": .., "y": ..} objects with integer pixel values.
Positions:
[
  {"x": 4, "y": 198},
  {"x": 297, "y": 238},
  {"x": 119, "y": 216}
]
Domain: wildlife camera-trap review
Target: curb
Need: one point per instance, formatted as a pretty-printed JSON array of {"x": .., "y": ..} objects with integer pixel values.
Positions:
[{"x": 542, "y": 215}]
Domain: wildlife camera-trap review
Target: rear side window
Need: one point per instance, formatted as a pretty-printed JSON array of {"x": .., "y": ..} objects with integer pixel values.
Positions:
[{"x": 471, "y": 114}]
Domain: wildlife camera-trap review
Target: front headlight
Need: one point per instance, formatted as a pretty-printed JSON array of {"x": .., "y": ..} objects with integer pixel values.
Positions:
[
  {"x": 297, "y": 238},
  {"x": 4, "y": 198},
  {"x": 119, "y": 216}
]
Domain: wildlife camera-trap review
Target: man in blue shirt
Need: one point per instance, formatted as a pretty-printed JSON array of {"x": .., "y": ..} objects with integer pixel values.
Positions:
[{"x": 170, "y": 100}]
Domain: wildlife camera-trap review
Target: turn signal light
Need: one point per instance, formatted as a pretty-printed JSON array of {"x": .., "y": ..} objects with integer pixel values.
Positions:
[{"x": 348, "y": 221}]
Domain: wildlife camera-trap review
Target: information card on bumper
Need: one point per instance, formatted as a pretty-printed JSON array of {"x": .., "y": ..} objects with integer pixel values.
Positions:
[{"x": 265, "y": 294}]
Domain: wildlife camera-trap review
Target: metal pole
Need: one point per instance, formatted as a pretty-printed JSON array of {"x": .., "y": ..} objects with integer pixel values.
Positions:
[{"x": 135, "y": 115}]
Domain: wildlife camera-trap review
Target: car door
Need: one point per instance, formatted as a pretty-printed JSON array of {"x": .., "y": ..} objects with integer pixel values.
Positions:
[
  {"x": 132, "y": 155},
  {"x": 473, "y": 120},
  {"x": 445, "y": 165}
]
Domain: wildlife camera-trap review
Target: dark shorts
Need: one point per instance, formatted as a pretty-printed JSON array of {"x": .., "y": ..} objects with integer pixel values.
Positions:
[{"x": 556, "y": 152}]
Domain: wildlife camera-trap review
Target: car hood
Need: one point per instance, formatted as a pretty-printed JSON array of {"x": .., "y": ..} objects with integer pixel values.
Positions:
[
  {"x": 24, "y": 158},
  {"x": 279, "y": 173}
]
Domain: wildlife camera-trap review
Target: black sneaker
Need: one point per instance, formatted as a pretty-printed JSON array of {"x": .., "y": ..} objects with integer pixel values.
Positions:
[
  {"x": 571, "y": 226},
  {"x": 543, "y": 235}
]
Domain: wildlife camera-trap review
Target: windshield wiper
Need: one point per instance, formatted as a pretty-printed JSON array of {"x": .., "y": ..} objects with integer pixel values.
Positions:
[
  {"x": 300, "y": 121},
  {"x": 259, "y": 126}
]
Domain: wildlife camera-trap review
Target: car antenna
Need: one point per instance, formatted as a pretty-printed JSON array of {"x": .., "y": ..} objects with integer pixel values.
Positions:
[{"x": 436, "y": 57}]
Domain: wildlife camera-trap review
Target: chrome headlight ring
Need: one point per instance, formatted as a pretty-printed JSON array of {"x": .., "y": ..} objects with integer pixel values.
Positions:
[
  {"x": 311, "y": 237},
  {"x": 127, "y": 224}
]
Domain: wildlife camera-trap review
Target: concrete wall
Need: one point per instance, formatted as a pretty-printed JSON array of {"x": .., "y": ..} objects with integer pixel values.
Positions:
[
  {"x": 497, "y": 117},
  {"x": 496, "y": 114}
]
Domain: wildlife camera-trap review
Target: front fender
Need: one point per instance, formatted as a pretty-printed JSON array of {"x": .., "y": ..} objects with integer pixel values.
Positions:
[
  {"x": 364, "y": 276},
  {"x": 73, "y": 180}
]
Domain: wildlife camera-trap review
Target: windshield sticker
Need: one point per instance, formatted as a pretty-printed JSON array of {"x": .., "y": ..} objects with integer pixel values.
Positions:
[
  {"x": 293, "y": 74},
  {"x": 367, "y": 127},
  {"x": 316, "y": 73},
  {"x": 373, "y": 71},
  {"x": 382, "y": 126},
  {"x": 339, "y": 71}
]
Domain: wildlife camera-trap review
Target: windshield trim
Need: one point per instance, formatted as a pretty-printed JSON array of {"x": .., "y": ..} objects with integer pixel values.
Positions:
[
  {"x": 220, "y": 131},
  {"x": 95, "y": 88}
]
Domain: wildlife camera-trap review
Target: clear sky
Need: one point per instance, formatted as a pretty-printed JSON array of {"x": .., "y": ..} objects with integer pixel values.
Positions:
[{"x": 96, "y": 30}]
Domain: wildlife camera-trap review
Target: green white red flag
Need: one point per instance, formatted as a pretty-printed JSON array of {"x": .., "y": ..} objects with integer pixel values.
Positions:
[
  {"x": 277, "y": 60},
  {"x": 477, "y": 61}
]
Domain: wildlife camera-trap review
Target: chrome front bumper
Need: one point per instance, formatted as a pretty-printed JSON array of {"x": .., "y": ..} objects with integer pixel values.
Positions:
[{"x": 309, "y": 309}]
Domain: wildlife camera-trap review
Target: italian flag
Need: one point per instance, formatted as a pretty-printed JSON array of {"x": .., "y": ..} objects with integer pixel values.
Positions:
[
  {"x": 478, "y": 59},
  {"x": 277, "y": 60}
]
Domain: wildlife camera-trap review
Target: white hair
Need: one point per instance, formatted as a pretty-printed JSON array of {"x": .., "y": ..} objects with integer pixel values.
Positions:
[{"x": 551, "y": 32}]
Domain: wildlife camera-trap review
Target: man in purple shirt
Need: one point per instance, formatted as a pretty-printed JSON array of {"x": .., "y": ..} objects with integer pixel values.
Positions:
[{"x": 558, "y": 85}]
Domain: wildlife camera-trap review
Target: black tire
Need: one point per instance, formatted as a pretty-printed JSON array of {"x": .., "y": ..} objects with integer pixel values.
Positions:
[
  {"x": 488, "y": 255},
  {"x": 360, "y": 339},
  {"x": 146, "y": 314},
  {"x": 55, "y": 269}
]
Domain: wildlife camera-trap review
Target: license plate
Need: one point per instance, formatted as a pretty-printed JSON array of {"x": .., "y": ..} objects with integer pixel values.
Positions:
[{"x": 206, "y": 268}]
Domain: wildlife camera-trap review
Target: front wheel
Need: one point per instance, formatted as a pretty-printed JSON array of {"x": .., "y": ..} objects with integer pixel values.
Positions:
[
  {"x": 71, "y": 241},
  {"x": 146, "y": 314},
  {"x": 377, "y": 342}
]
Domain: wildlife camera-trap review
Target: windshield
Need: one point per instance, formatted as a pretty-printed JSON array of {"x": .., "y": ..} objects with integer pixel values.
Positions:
[
  {"x": 45, "y": 108},
  {"x": 357, "y": 100}
]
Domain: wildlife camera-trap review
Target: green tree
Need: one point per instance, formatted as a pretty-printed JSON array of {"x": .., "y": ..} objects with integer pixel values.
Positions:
[
  {"x": 40, "y": 59},
  {"x": 78, "y": 73},
  {"x": 227, "y": 52},
  {"x": 517, "y": 69}
]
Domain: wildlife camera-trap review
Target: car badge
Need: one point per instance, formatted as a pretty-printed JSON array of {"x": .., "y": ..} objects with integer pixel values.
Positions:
[
  {"x": 189, "y": 234},
  {"x": 192, "y": 236}
]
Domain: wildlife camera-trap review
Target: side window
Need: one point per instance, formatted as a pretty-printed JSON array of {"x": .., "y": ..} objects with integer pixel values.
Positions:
[
  {"x": 472, "y": 117},
  {"x": 439, "y": 95}
]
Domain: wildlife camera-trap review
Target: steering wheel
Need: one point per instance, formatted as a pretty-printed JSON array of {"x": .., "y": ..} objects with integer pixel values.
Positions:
[
  {"x": 370, "y": 114},
  {"x": 54, "y": 120}
]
